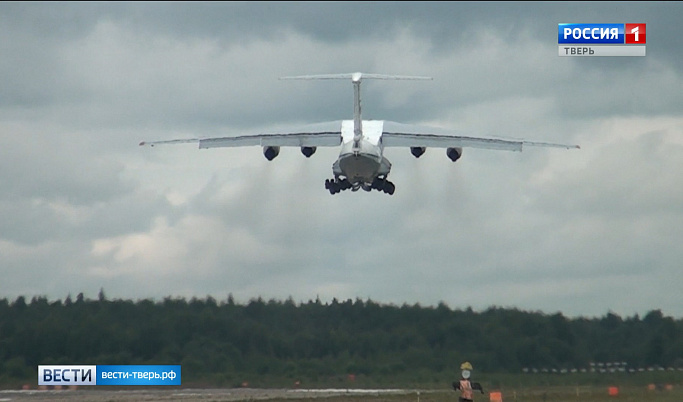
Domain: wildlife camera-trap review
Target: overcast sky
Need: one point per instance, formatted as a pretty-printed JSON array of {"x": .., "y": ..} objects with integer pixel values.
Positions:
[{"x": 582, "y": 232}]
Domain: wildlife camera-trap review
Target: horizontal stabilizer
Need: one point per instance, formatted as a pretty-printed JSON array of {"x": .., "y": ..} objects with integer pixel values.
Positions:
[{"x": 355, "y": 77}]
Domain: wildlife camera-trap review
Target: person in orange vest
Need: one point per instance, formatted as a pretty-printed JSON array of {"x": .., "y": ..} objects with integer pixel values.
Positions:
[{"x": 465, "y": 386}]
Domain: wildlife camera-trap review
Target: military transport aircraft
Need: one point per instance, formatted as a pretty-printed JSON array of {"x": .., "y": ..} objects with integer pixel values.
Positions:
[{"x": 361, "y": 162}]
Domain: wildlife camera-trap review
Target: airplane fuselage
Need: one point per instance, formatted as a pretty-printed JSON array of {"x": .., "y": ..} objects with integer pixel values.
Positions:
[{"x": 361, "y": 161}]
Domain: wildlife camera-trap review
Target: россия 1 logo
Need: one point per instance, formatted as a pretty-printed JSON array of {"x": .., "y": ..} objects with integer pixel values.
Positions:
[
  {"x": 635, "y": 34},
  {"x": 601, "y": 39}
]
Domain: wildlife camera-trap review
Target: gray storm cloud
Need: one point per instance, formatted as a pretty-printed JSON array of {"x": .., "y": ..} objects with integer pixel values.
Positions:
[{"x": 83, "y": 207}]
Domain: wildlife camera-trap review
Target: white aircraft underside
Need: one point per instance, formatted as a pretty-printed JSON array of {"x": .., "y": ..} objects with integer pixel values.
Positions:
[{"x": 361, "y": 162}]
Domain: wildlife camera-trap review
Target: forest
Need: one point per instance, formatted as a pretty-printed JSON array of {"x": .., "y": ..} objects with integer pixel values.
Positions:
[{"x": 278, "y": 343}]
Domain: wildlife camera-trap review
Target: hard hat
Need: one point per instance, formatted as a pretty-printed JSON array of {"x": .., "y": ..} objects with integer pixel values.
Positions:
[{"x": 466, "y": 366}]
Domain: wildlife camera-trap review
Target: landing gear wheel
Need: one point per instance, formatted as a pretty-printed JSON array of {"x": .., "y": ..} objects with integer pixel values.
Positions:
[
  {"x": 389, "y": 188},
  {"x": 335, "y": 186},
  {"x": 383, "y": 185}
]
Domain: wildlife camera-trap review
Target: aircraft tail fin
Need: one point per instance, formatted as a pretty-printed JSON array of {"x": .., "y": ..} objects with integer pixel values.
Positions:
[{"x": 355, "y": 79}]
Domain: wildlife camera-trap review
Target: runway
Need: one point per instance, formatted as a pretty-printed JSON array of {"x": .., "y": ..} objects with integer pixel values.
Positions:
[{"x": 220, "y": 395}]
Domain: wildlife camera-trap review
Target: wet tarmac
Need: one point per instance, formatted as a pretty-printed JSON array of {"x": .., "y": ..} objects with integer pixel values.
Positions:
[{"x": 176, "y": 394}]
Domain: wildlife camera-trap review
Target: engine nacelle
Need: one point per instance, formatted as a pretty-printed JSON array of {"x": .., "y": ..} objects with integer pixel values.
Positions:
[
  {"x": 417, "y": 151},
  {"x": 454, "y": 153},
  {"x": 308, "y": 151},
  {"x": 271, "y": 152}
]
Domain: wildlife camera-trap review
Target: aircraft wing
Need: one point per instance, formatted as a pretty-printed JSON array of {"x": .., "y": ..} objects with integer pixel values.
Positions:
[
  {"x": 407, "y": 135},
  {"x": 326, "y": 134}
]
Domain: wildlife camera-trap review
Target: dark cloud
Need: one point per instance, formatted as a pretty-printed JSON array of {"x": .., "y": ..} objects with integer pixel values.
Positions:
[{"x": 83, "y": 207}]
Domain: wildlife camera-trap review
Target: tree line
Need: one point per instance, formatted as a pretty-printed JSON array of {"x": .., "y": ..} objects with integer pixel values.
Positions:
[{"x": 271, "y": 343}]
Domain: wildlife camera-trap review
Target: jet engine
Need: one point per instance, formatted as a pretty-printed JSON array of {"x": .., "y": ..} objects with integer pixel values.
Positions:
[
  {"x": 271, "y": 152},
  {"x": 417, "y": 151},
  {"x": 454, "y": 153},
  {"x": 308, "y": 151}
]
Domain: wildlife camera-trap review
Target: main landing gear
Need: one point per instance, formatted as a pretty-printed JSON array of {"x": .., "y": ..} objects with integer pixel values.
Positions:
[
  {"x": 383, "y": 185},
  {"x": 337, "y": 185}
]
